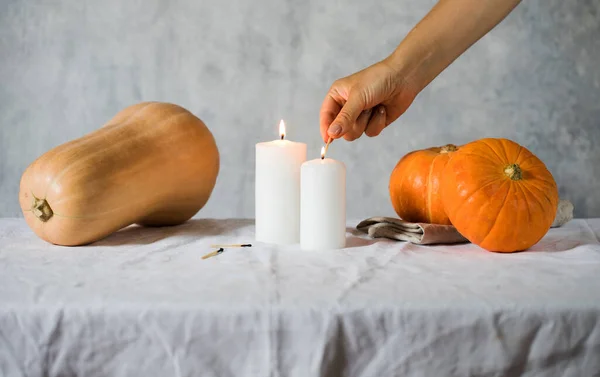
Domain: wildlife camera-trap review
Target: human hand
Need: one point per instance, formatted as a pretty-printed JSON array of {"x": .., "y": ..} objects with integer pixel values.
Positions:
[{"x": 365, "y": 102}]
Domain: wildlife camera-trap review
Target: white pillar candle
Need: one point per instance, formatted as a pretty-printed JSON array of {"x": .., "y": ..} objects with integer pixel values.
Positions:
[
  {"x": 323, "y": 204},
  {"x": 277, "y": 190}
]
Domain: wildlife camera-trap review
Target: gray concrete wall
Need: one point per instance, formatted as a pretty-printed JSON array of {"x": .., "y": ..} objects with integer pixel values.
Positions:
[{"x": 66, "y": 67}]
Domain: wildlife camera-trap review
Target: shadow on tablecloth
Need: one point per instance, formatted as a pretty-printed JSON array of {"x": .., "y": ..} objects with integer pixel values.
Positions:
[
  {"x": 354, "y": 238},
  {"x": 139, "y": 235}
]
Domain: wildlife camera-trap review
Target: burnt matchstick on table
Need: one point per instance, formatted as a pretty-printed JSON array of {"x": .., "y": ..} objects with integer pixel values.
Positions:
[
  {"x": 214, "y": 253},
  {"x": 222, "y": 249},
  {"x": 233, "y": 245}
]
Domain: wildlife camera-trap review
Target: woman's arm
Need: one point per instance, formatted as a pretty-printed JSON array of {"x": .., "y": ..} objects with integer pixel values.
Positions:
[
  {"x": 369, "y": 100},
  {"x": 448, "y": 30}
]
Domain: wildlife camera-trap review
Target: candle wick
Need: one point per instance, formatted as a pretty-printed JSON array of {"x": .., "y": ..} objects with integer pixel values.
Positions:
[{"x": 282, "y": 136}]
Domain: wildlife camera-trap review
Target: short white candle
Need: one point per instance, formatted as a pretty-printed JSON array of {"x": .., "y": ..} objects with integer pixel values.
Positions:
[
  {"x": 323, "y": 204},
  {"x": 277, "y": 190}
]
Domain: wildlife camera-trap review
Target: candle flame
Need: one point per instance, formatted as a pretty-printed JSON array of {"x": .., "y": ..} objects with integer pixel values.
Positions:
[
  {"x": 322, "y": 153},
  {"x": 282, "y": 129}
]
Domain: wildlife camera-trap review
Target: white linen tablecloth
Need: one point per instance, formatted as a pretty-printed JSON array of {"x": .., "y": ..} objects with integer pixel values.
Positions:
[{"x": 142, "y": 302}]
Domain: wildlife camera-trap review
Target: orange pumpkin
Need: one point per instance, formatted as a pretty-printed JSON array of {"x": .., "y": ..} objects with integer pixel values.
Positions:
[
  {"x": 499, "y": 195},
  {"x": 153, "y": 164},
  {"x": 415, "y": 185}
]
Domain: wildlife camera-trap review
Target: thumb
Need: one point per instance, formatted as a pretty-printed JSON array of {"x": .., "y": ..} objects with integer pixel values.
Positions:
[{"x": 347, "y": 116}]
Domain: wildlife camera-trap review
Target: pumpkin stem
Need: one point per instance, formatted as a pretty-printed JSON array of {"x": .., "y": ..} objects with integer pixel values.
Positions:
[
  {"x": 514, "y": 172},
  {"x": 41, "y": 209},
  {"x": 448, "y": 148}
]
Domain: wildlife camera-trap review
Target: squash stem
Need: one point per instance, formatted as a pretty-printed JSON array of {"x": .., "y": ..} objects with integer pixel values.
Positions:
[
  {"x": 514, "y": 172},
  {"x": 41, "y": 209},
  {"x": 448, "y": 148}
]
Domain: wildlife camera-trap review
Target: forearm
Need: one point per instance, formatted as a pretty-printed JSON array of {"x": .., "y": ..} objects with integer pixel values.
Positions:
[{"x": 449, "y": 29}]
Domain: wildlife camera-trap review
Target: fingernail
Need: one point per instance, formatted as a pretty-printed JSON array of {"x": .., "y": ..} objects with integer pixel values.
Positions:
[
  {"x": 381, "y": 110},
  {"x": 335, "y": 130}
]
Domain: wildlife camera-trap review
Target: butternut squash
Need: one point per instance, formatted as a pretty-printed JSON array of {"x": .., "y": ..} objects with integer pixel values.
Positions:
[{"x": 153, "y": 164}]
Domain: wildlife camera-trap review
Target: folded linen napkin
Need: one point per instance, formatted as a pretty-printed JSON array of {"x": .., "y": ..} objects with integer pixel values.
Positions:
[
  {"x": 418, "y": 233},
  {"x": 429, "y": 234},
  {"x": 564, "y": 213}
]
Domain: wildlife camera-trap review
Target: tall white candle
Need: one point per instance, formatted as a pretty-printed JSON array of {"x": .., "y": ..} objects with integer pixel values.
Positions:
[
  {"x": 323, "y": 204},
  {"x": 277, "y": 190}
]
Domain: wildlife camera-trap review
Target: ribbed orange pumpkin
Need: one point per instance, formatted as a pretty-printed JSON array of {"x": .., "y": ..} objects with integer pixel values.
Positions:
[
  {"x": 499, "y": 195},
  {"x": 153, "y": 164},
  {"x": 415, "y": 185}
]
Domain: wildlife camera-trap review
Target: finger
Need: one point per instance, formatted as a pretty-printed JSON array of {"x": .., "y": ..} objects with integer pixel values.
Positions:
[
  {"x": 377, "y": 122},
  {"x": 359, "y": 126},
  {"x": 346, "y": 118},
  {"x": 329, "y": 110}
]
